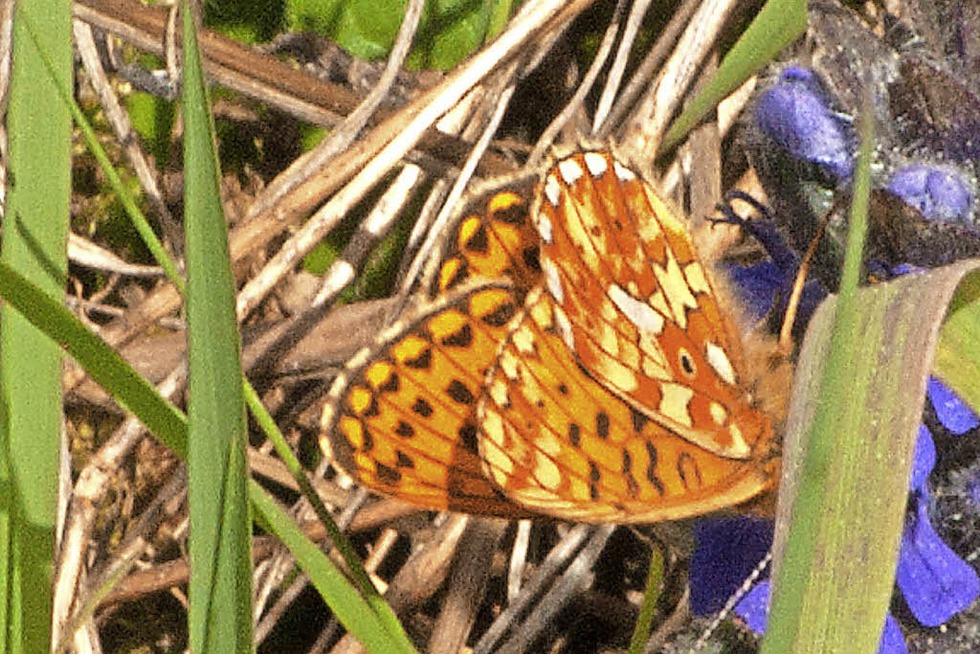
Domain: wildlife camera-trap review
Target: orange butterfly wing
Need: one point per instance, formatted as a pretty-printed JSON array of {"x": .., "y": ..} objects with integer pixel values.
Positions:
[
  {"x": 635, "y": 305},
  {"x": 557, "y": 442},
  {"x": 401, "y": 417},
  {"x": 493, "y": 238}
]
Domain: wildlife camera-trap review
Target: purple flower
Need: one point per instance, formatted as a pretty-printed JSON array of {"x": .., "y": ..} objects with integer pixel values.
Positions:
[
  {"x": 757, "y": 286},
  {"x": 939, "y": 192},
  {"x": 761, "y": 285},
  {"x": 727, "y": 550},
  {"x": 935, "y": 582},
  {"x": 795, "y": 114},
  {"x": 754, "y": 610},
  {"x": 953, "y": 413},
  {"x": 923, "y": 461}
]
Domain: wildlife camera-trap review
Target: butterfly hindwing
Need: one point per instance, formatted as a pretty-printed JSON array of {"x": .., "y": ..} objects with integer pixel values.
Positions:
[
  {"x": 402, "y": 415},
  {"x": 557, "y": 442},
  {"x": 493, "y": 238}
]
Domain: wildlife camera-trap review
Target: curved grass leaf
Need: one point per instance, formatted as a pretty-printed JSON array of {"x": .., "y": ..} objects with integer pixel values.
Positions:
[
  {"x": 779, "y": 23},
  {"x": 857, "y": 403},
  {"x": 958, "y": 358}
]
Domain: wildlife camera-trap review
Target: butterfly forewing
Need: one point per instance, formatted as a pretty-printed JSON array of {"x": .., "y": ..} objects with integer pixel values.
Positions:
[
  {"x": 557, "y": 442},
  {"x": 636, "y": 307}
]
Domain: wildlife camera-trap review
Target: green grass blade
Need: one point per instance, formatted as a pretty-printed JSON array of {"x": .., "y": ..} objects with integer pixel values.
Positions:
[
  {"x": 799, "y": 615},
  {"x": 264, "y": 421},
  {"x": 651, "y": 595},
  {"x": 126, "y": 199},
  {"x": 861, "y": 511},
  {"x": 779, "y": 23},
  {"x": 343, "y": 598},
  {"x": 34, "y": 242},
  {"x": 369, "y": 619},
  {"x": 99, "y": 360},
  {"x": 220, "y": 613}
]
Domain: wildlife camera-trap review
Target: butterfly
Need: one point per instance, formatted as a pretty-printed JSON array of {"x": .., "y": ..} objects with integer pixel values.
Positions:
[{"x": 570, "y": 359}]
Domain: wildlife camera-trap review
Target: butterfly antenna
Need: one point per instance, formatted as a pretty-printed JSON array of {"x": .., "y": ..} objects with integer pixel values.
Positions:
[
  {"x": 736, "y": 597},
  {"x": 793, "y": 304}
]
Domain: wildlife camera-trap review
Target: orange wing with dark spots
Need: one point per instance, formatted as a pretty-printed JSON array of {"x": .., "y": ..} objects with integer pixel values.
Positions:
[
  {"x": 404, "y": 418},
  {"x": 559, "y": 443},
  {"x": 401, "y": 417},
  {"x": 496, "y": 239}
]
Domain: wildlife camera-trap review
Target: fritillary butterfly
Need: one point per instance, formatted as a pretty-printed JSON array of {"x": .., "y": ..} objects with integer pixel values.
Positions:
[{"x": 587, "y": 374}]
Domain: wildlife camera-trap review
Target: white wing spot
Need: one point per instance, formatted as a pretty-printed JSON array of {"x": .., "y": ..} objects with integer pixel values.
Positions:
[
  {"x": 694, "y": 274},
  {"x": 655, "y": 369},
  {"x": 523, "y": 340},
  {"x": 564, "y": 328},
  {"x": 543, "y": 224},
  {"x": 570, "y": 171},
  {"x": 507, "y": 363},
  {"x": 739, "y": 449},
  {"x": 495, "y": 460},
  {"x": 659, "y": 302},
  {"x": 548, "y": 444},
  {"x": 719, "y": 361},
  {"x": 639, "y": 313},
  {"x": 674, "y": 403},
  {"x": 676, "y": 290},
  {"x": 552, "y": 190},
  {"x": 553, "y": 281},
  {"x": 596, "y": 163},
  {"x": 618, "y": 375},
  {"x": 546, "y": 472},
  {"x": 623, "y": 173},
  {"x": 498, "y": 393},
  {"x": 718, "y": 413}
]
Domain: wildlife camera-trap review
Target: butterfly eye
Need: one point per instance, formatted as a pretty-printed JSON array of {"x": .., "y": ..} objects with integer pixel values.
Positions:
[{"x": 687, "y": 362}]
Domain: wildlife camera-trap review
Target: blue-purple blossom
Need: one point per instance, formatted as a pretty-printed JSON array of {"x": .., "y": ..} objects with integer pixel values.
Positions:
[
  {"x": 935, "y": 582},
  {"x": 762, "y": 284},
  {"x": 727, "y": 550},
  {"x": 954, "y": 414},
  {"x": 938, "y": 192},
  {"x": 757, "y": 286},
  {"x": 753, "y": 609},
  {"x": 923, "y": 461},
  {"x": 795, "y": 114}
]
